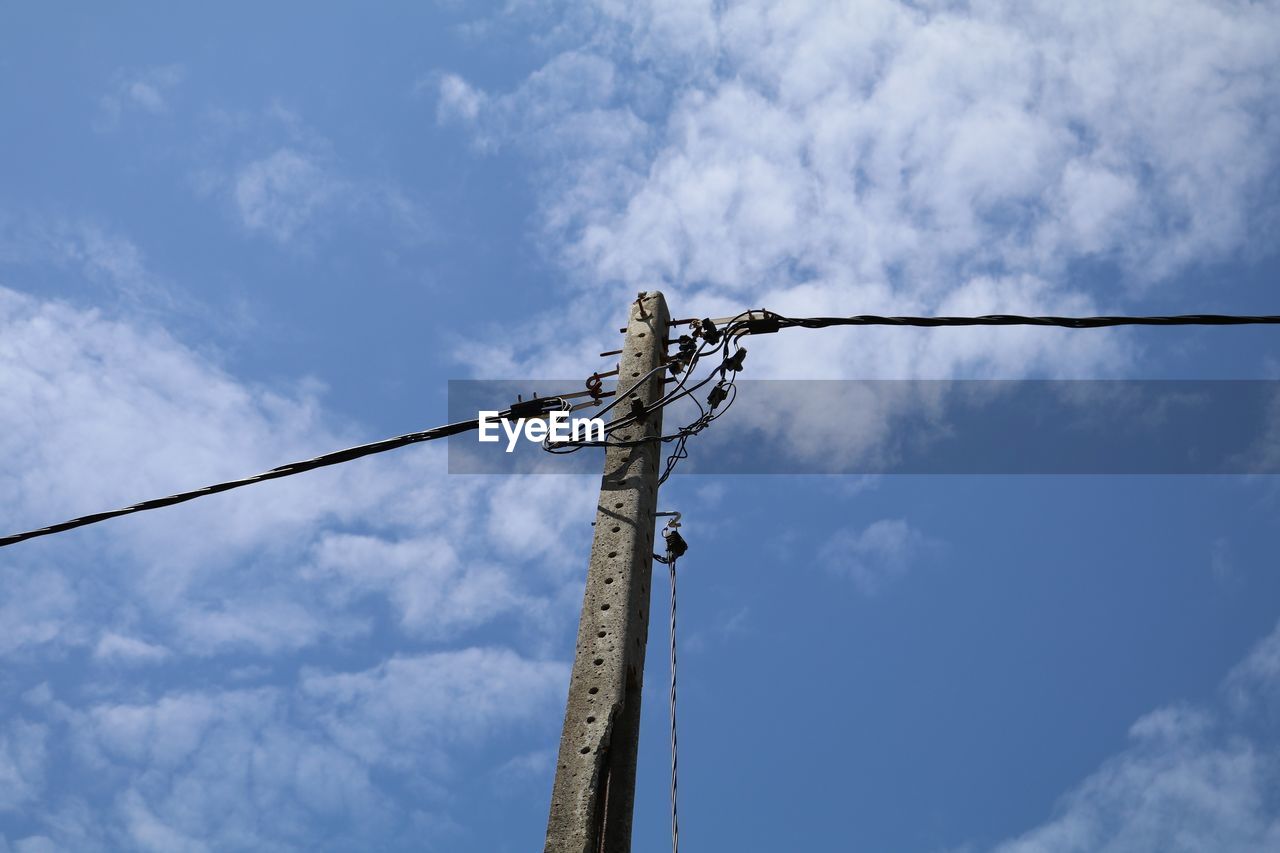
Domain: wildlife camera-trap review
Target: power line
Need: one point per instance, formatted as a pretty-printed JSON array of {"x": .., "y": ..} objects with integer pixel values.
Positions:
[
  {"x": 521, "y": 409},
  {"x": 709, "y": 337},
  {"x": 717, "y": 337},
  {"x": 764, "y": 322}
]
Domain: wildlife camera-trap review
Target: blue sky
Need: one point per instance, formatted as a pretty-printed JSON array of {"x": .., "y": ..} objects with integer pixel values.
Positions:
[{"x": 236, "y": 236}]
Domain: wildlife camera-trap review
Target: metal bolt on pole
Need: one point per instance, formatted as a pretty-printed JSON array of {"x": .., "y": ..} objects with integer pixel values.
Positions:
[{"x": 594, "y": 788}]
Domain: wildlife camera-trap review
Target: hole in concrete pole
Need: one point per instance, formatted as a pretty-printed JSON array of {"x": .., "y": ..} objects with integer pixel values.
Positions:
[
  {"x": 585, "y": 750},
  {"x": 594, "y": 690},
  {"x": 613, "y": 553},
  {"x": 601, "y": 634},
  {"x": 591, "y": 719},
  {"x": 604, "y": 607},
  {"x": 608, "y": 580},
  {"x": 599, "y": 661},
  {"x": 616, "y": 529}
]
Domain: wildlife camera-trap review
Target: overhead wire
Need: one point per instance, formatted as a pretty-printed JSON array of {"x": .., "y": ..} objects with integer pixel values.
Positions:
[
  {"x": 748, "y": 323},
  {"x": 763, "y": 323},
  {"x": 526, "y": 407},
  {"x": 727, "y": 330}
]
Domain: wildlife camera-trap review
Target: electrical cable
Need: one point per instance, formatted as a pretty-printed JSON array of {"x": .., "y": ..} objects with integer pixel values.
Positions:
[
  {"x": 524, "y": 408},
  {"x": 715, "y": 342},
  {"x": 675, "y": 818},
  {"x": 676, "y": 548},
  {"x": 718, "y": 338},
  {"x": 765, "y": 322},
  {"x": 771, "y": 322}
]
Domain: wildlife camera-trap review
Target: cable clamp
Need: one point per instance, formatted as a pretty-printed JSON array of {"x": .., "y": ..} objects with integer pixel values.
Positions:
[
  {"x": 718, "y": 394},
  {"x": 676, "y": 546},
  {"x": 710, "y": 333},
  {"x": 762, "y": 326},
  {"x": 534, "y": 408}
]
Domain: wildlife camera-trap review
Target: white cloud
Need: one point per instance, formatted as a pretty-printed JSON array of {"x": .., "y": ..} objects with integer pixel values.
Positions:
[
  {"x": 272, "y": 767},
  {"x": 1255, "y": 681},
  {"x": 34, "y": 844},
  {"x": 282, "y": 192},
  {"x": 265, "y": 623},
  {"x": 157, "y": 413},
  {"x": 885, "y": 157},
  {"x": 128, "y": 650},
  {"x": 149, "y": 832},
  {"x": 281, "y": 179},
  {"x": 1191, "y": 778},
  {"x": 723, "y": 629},
  {"x": 407, "y": 702},
  {"x": 37, "y": 610},
  {"x": 22, "y": 765},
  {"x": 1176, "y": 792},
  {"x": 573, "y": 106},
  {"x": 87, "y": 248},
  {"x": 147, "y": 91},
  {"x": 877, "y": 555},
  {"x": 98, "y": 413},
  {"x": 459, "y": 100},
  {"x": 540, "y": 528},
  {"x": 435, "y": 593},
  {"x": 525, "y": 775},
  {"x": 292, "y": 195}
]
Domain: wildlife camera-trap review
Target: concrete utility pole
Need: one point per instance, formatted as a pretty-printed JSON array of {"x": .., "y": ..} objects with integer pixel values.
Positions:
[{"x": 594, "y": 790}]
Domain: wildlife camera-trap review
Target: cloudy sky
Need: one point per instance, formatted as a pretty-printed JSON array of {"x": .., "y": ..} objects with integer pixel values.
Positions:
[{"x": 239, "y": 235}]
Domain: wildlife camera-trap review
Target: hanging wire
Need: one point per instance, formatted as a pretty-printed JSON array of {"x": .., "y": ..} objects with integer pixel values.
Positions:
[
  {"x": 676, "y": 548},
  {"x": 526, "y": 408},
  {"x": 675, "y": 818}
]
